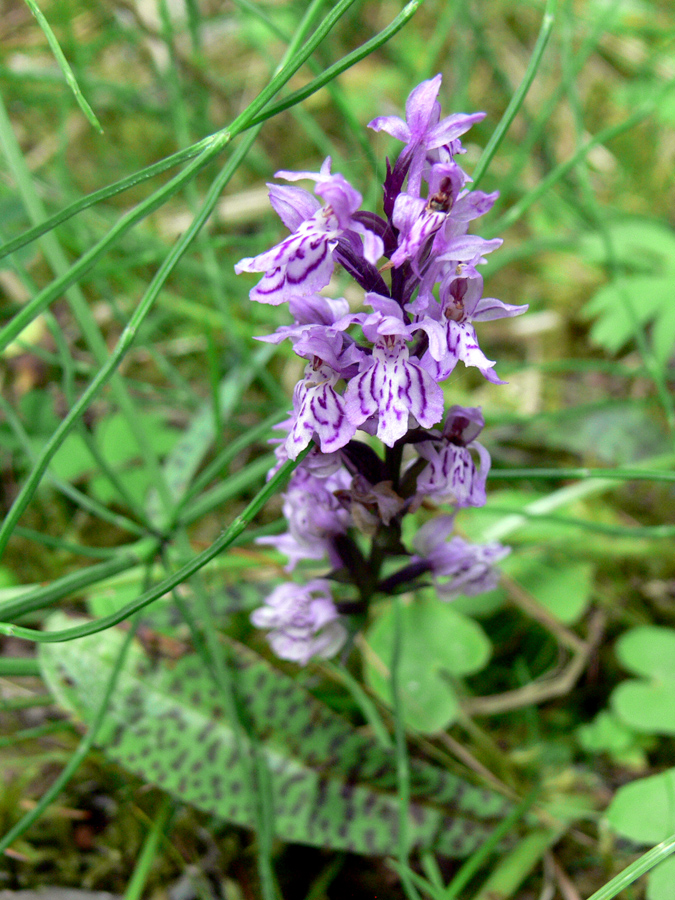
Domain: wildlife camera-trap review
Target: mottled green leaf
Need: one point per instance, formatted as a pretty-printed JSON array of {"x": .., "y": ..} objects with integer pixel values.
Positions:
[{"x": 333, "y": 786}]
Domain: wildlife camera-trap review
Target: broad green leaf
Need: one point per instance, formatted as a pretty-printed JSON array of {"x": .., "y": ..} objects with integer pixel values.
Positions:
[
  {"x": 624, "y": 304},
  {"x": 639, "y": 244},
  {"x": 73, "y": 459},
  {"x": 646, "y": 705},
  {"x": 561, "y": 586},
  {"x": 438, "y": 643},
  {"x": 644, "y": 810},
  {"x": 332, "y": 785},
  {"x": 117, "y": 442},
  {"x": 605, "y": 734},
  {"x": 661, "y": 881},
  {"x": 648, "y": 650}
]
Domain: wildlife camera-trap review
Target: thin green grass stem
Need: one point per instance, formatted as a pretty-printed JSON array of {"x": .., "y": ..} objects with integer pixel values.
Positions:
[
  {"x": 34, "y": 734},
  {"x": 76, "y": 758},
  {"x": 236, "y": 528},
  {"x": 229, "y": 489},
  {"x": 72, "y": 493},
  {"x": 647, "y": 532},
  {"x": 519, "y": 97},
  {"x": 365, "y": 704},
  {"x": 214, "y": 146},
  {"x": 218, "y": 465},
  {"x": 11, "y": 331},
  {"x": 640, "y": 867},
  {"x": 656, "y": 372},
  {"x": 584, "y": 473},
  {"x": 248, "y": 746},
  {"x": 514, "y": 867},
  {"x": 85, "y": 434},
  {"x": 68, "y": 73},
  {"x": 401, "y": 750},
  {"x": 535, "y": 131},
  {"x": 259, "y": 783},
  {"x": 520, "y": 208},
  {"x": 487, "y": 848},
  {"x": 13, "y": 667},
  {"x": 75, "y": 582},
  {"x": 118, "y": 187},
  {"x": 149, "y": 850},
  {"x": 19, "y": 703},
  {"x": 124, "y": 343},
  {"x": 56, "y": 543},
  {"x": 81, "y": 310},
  {"x": 544, "y": 506}
]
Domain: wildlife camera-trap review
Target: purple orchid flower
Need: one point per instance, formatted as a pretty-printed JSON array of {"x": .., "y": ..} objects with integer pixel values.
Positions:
[
  {"x": 302, "y": 621},
  {"x": 314, "y": 309},
  {"x": 451, "y": 473},
  {"x": 319, "y": 410},
  {"x": 390, "y": 384},
  {"x": 452, "y": 336},
  {"x": 468, "y": 568},
  {"x": 314, "y": 516},
  {"x": 417, "y": 219},
  {"x": 302, "y": 264},
  {"x": 422, "y": 132}
]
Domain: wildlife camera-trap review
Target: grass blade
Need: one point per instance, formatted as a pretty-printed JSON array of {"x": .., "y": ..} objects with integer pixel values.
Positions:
[
  {"x": 518, "y": 98},
  {"x": 68, "y": 73}
]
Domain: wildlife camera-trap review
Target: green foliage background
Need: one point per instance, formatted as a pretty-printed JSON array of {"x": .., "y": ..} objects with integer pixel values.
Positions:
[{"x": 136, "y": 405}]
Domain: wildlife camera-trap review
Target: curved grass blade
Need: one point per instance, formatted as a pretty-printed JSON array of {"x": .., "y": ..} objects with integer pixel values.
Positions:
[
  {"x": 124, "y": 343},
  {"x": 217, "y": 143},
  {"x": 237, "y": 527},
  {"x": 517, "y": 100},
  {"x": 611, "y": 131},
  {"x": 68, "y": 73},
  {"x": 196, "y": 149},
  {"x": 640, "y": 867}
]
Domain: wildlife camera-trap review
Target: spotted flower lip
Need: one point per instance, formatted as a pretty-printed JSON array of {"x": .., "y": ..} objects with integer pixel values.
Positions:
[
  {"x": 391, "y": 385},
  {"x": 303, "y": 263},
  {"x": 319, "y": 411},
  {"x": 452, "y": 336},
  {"x": 451, "y": 472}
]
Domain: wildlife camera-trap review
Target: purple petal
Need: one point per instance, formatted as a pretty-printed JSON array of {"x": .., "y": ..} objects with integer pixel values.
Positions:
[
  {"x": 451, "y": 127},
  {"x": 489, "y": 308},
  {"x": 393, "y": 125},
  {"x": 421, "y": 108},
  {"x": 293, "y": 205}
]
